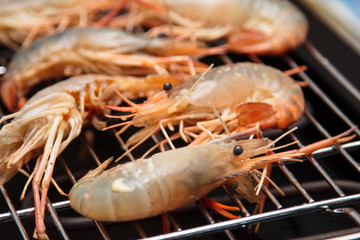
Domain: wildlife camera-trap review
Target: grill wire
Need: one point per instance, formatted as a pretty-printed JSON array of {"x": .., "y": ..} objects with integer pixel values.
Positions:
[{"x": 334, "y": 191}]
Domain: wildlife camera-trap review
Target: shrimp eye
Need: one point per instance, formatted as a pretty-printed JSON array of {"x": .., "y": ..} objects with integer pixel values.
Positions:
[
  {"x": 238, "y": 150},
  {"x": 167, "y": 86},
  {"x": 162, "y": 35}
]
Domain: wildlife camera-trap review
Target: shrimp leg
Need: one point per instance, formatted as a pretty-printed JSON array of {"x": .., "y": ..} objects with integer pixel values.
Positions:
[
  {"x": 40, "y": 226},
  {"x": 220, "y": 208},
  {"x": 121, "y": 5},
  {"x": 46, "y": 167},
  {"x": 107, "y": 18}
]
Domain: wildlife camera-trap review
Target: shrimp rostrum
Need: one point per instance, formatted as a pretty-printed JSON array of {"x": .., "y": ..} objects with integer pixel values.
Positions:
[
  {"x": 171, "y": 179},
  {"x": 266, "y": 27},
  {"x": 52, "y": 118},
  {"x": 92, "y": 50},
  {"x": 245, "y": 94}
]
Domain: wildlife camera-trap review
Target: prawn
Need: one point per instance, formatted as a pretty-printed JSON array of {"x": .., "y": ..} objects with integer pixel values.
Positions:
[
  {"x": 91, "y": 50},
  {"x": 53, "y": 117},
  {"x": 149, "y": 187},
  {"x": 25, "y": 19},
  {"x": 249, "y": 93},
  {"x": 261, "y": 27}
]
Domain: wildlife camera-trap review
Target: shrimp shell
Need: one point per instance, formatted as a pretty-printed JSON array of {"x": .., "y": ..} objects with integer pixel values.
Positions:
[
  {"x": 250, "y": 92},
  {"x": 148, "y": 187}
]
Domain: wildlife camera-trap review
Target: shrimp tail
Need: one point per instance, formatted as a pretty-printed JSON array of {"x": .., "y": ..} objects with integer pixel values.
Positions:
[
  {"x": 9, "y": 95},
  {"x": 269, "y": 116},
  {"x": 247, "y": 41},
  {"x": 253, "y": 112}
]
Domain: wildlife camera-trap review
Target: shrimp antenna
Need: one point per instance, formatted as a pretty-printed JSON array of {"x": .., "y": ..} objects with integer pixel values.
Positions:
[
  {"x": 261, "y": 183},
  {"x": 174, "y": 136},
  {"x": 122, "y": 143},
  {"x": 117, "y": 125},
  {"x": 295, "y": 70},
  {"x": 270, "y": 181},
  {"x": 283, "y": 146},
  {"x": 241, "y": 134},
  {"x": 100, "y": 168},
  {"x": 124, "y": 117},
  {"x": 30, "y": 177},
  {"x": 124, "y": 128},
  {"x": 128, "y": 101},
  {"x": 220, "y": 119},
  {"x": 257, "y": 126},
  {"x": 284, "y": 134},
  {"x": 166, "y": 135},
  {"x": 258, "y": 187},
  {"x": 137, "y": 144},
  {"x": 172, "y": 108},
  {"x": 9, "y": 116}
]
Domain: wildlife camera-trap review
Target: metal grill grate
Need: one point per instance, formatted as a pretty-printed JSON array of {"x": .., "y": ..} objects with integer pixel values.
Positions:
[{"x": 327, "y": 183}]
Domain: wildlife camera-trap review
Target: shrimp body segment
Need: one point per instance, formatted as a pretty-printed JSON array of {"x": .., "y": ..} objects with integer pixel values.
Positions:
[
  {"x": 85, "y": 50},
  {"x": 253, "y": 93},
  {"x": 267, "y": 27},
  {"x": 168, "y": 180}
]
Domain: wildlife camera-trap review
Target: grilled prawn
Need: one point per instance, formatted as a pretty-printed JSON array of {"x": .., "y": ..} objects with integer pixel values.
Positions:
[
  {"x": 89, "y": 50},
  {"x": 248, "y": 92},
  {"x": 52, "y": 118},
  {"x": 148, "y": 187},
  {"x": 171, "y": 179},
  {"x": 267, "y": 27}
]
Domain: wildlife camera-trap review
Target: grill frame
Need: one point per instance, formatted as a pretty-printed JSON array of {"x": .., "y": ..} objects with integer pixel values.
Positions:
[{"x": 341, "y": 204}]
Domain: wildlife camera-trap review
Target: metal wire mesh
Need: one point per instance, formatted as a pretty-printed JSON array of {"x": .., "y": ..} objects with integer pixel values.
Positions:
[{"x": 88, "y": 151}]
